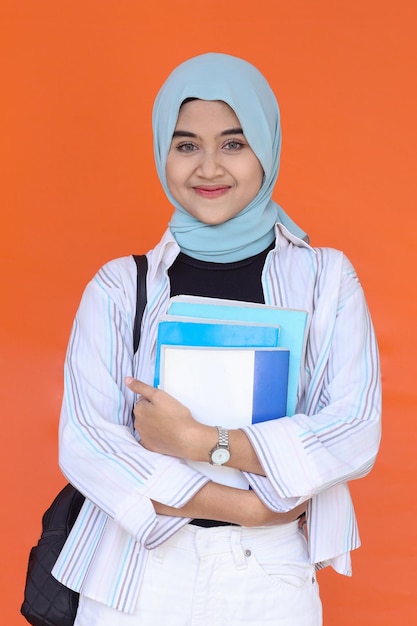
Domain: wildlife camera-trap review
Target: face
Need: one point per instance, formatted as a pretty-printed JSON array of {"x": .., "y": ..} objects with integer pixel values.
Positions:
[{"x": 211, "y": 170}]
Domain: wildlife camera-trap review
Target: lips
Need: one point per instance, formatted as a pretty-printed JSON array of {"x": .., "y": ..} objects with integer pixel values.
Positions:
[{"x": 207, "y": 191}]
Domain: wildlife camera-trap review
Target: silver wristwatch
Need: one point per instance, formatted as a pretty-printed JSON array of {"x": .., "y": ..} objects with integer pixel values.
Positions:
[{"x": 221, "y": 452}]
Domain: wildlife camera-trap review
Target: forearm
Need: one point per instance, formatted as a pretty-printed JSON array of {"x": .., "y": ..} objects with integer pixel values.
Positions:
[{"x": 227, "y": 504}]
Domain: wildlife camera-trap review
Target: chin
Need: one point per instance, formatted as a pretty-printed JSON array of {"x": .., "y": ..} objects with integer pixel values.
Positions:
[{"x": 214, "y": 220}]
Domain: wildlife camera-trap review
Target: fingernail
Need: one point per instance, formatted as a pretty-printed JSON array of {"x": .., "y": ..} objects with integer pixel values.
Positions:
[{"x": 128, "y": 380}]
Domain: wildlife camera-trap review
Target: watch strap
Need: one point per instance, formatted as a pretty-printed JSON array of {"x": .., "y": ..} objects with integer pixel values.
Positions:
[
  {"x": 221, "y": 452},
  {"x": 223, "y": 437}
]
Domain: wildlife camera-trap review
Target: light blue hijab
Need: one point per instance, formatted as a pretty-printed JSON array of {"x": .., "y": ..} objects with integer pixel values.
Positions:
[{"x": 223, "y": 77}]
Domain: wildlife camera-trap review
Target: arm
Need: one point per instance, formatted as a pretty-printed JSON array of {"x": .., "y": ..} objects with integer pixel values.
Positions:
[
  {"x": 99, "y": 452},
  {"x": 227, "y": 504},
  {"x": 335, "y": 439}
]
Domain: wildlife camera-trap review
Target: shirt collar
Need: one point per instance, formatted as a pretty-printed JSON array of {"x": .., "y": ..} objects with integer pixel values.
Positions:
[{"x": 283, "y": 237}]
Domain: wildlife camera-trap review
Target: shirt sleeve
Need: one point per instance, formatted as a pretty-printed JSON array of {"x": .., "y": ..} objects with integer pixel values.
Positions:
[
  {"x": 99, "y": 451},
  {"x": 336, "y": 437}
]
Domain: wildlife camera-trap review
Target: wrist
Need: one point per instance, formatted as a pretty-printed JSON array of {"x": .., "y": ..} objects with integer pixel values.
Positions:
[
  {"x": 220, "y": 453},
  {"x": 203, "y": 440}
]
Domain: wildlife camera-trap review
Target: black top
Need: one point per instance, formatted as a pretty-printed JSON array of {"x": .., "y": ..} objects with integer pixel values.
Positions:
[{"x": 240, "y": 280}]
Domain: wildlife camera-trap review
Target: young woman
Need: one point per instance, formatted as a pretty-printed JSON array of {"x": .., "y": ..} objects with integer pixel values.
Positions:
[{"x": 156, "y": 542}]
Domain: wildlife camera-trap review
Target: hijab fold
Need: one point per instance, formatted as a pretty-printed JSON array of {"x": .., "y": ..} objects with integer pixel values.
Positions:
[{"x": 216, "y": 76}]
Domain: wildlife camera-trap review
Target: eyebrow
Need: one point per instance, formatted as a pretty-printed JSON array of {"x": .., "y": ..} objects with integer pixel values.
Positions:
[{"x": 187, "y": 133}]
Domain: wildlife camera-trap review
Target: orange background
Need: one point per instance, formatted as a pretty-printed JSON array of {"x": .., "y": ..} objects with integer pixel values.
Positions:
[{"x": 79, "y": 187}]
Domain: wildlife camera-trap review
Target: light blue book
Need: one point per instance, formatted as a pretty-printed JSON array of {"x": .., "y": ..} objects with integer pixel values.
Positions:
[
  {"x": 292, "y": 323},
  {"x": 177, "y": 331},
  {"x": 230, "y": 387}
]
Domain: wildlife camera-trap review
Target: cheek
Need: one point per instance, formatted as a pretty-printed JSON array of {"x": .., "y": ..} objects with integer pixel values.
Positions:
[
  {"x": 176, "y": 171},
  {"x": 256, "y": 175},
  {"x": 255, "y": 169},
  {"x": 171, "y": 172}
]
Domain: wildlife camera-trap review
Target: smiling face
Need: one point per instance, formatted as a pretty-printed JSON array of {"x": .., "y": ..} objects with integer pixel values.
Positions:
[{"x": 211, "y": 170}]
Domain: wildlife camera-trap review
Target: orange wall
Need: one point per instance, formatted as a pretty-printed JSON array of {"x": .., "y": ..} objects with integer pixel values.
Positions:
[{"x": 78, "y": 187}]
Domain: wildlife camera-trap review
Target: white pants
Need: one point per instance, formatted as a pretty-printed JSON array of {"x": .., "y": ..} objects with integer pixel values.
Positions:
[{"x": 221, "y": 576}]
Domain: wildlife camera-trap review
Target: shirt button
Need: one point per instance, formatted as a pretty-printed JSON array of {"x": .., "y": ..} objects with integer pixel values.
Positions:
[{"x": 247, "y": 552}]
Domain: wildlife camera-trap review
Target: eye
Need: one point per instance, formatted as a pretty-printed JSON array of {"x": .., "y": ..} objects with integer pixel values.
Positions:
[
  {"x": 186, "y": 147},
  {"x": 233, "y": 145}
]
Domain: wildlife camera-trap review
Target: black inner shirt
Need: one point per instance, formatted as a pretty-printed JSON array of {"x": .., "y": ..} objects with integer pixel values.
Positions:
[{"x": 240, "y": 280}]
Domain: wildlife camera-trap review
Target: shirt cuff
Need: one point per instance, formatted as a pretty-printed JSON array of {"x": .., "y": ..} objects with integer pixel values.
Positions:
[
  {"x": 173, "y": 483},
  {"x": 265, "y": 491},
  {"x": 283, "y": 457}
]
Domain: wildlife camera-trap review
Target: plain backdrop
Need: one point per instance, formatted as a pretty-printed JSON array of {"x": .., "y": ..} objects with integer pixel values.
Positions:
[{"x": 78, "y": 187}]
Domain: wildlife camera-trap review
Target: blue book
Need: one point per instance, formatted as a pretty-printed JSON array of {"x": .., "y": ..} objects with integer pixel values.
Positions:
[
  {"x": 292, "y": 323},
  {"x": 177, "y": 331},
  {"x": 230, "y": 387}
]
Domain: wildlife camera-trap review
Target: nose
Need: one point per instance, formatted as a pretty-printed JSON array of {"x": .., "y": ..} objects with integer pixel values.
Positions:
[{"x": 210, "y": 165}]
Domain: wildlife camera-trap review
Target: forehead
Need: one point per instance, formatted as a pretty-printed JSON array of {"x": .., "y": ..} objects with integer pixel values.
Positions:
[{"x": 206, "y": 114}]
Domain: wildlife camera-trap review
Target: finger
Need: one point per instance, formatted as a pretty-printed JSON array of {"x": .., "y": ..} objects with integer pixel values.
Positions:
[
  {"x": 141, "y": 400},
  {"x": 139, "y": 407},
  {"x": 141, "y": 388}
]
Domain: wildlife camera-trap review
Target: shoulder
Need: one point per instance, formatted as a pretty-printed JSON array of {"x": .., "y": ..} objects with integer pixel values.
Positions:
[
  {"x": 322, "y": 259},
  {"x": 332, "y": 258},
  {"x": 298, "y": 256},
  {"x": 114, "y": 282},
  {"x": 335, "y": 271},
  {"x": 116, "y": 275},
  {"x": 328, "y": 271}
]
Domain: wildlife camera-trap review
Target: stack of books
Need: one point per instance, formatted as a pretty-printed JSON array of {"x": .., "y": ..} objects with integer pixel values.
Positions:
[{"x": 231, "y": 363}]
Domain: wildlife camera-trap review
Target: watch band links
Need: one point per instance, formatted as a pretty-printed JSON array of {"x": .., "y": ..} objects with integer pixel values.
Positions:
[{"x": 223, "y": 436}]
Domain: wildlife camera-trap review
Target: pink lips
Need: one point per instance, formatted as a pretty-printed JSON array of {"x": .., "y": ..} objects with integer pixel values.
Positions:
[{"x": 211, "y": 192}]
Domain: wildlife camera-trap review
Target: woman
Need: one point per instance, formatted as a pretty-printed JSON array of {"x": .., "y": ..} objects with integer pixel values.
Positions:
[{"x": 156, "y": 542}]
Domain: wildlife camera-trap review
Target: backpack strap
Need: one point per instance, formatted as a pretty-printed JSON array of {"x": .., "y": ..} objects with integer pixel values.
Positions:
[{"x": 141, "y": 297}]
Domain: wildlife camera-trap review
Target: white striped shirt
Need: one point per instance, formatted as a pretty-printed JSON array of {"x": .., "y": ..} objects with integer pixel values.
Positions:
[{"x": 332, "y": 439}]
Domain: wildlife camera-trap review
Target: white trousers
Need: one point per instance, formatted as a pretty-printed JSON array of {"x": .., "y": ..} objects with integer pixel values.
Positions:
[{"x": 221, "y": 576}]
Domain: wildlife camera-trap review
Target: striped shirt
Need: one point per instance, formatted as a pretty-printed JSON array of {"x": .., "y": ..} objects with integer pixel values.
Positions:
[{"x": 333, "y": 437}]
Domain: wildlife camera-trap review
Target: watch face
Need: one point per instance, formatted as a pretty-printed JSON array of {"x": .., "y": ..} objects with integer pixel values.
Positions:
[{"x": 220, "y": 456}]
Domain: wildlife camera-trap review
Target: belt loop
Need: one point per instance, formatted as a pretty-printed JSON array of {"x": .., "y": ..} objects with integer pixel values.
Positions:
[{"x": 236, "y": 548}]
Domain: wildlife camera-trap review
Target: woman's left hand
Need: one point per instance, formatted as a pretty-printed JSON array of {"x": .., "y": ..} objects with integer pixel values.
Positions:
[{"x": 167, "y": 426}]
